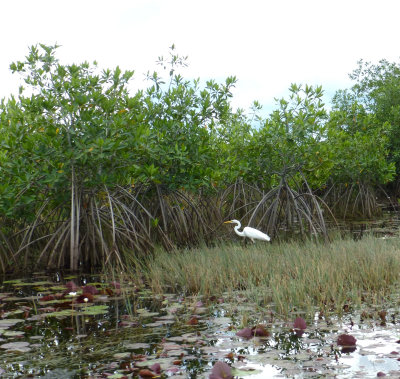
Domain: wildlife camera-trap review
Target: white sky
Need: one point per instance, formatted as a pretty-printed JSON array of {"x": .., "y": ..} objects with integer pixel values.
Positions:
[{"x": 266, "y": 44}]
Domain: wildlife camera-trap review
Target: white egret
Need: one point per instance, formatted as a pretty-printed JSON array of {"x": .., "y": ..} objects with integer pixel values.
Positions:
[{"x": 248, "y": 232}]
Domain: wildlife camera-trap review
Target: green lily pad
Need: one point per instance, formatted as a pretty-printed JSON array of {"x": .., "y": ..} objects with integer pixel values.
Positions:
[
  {"x": 12, "y": 281},
  {"x": 63, "y": 313},
  {"x": 57, "y": 288},
  {"x": 146, "y": 313},
  {"x": 16, "y": 312},
  {"x": 36, "y": 284},
  {"x": 117, "y": 375},
  {"x": 95, "y": 310},
  {"x": 12, "y": 298}
]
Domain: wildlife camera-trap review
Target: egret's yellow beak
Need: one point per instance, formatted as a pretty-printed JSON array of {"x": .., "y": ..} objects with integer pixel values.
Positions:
[{"x": 227, "y": 222}]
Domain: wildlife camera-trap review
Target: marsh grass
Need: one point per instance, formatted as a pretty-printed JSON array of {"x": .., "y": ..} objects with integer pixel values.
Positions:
[{"x": 343, "y": 273}]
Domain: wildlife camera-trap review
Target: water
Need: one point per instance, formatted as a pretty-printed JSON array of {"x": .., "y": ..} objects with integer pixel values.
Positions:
[{"x": 123, "y": 329}]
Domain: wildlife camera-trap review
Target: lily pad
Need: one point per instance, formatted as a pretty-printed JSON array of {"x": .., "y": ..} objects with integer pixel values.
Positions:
[
  {"x": 117, "y": 375},
  {"x": 63, "y": 313},
  {"x": 12, "y": 281},
  {"x": 146, "y": 313},
  {"x": 157, "y": 324},
  {"x": 95, "y": 310},
  {"x": 138, "y": 345},
  {"x": 8, "y": 322},
  {"x": 16, "y": 346},
  {"x": 57, "y": 288},
  {"x": 41, "y": 283},
  {"x": 122, "y": 355},
  {"x": 11, "y": 298},
  {"x": 13, "y": 333},
  {"x": 163, "y": 362},
  {"x": 36, "y": 337}
]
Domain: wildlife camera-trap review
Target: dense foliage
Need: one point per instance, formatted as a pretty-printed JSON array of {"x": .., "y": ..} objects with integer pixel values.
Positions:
[{"x": 92, "y": 173}]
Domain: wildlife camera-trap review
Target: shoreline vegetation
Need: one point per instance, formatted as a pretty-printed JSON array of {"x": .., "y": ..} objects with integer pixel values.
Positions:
[{"x": 288, "y": 277}]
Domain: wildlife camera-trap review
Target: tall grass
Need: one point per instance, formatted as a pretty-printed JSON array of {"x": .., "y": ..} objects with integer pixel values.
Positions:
[{"x": 289, "y": 275}]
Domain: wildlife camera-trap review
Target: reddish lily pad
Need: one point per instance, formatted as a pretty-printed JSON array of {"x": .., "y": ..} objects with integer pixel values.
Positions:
[
  {"x": 245, "y": 333},
  {"x": 221, "y": 370},
  {"x": 299, "y": 326},
  {"x": 146, "y": 373},
  {"x": 346, "y": 340},
  {"x": 156, "y": 367},
  {"x": 71, "y": 286},
  {"x": 255, "y": 331},
  {"x": 90, "y": 289},
  {"x": 260, "y": 331}
]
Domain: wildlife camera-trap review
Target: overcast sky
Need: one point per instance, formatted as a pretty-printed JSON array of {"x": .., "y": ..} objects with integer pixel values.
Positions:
[{"x": 266, "y": 44}]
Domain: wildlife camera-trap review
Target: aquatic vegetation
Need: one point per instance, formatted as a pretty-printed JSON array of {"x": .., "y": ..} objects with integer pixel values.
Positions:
[
  {"x": 346, "y": 340},
  {"x": 221, "y": 370},
  {"x": 133, "y": 333},
  {"x": 333, "y": 277},
  {"x": 299, "y": 326}
]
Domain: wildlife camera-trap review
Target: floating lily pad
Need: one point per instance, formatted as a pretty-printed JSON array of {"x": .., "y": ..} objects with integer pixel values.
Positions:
[
  {"x": 117, "y": 375},
  {"x": 57, "y": 288},
  {"x": 8, "y": 322},
  {"x": 93, "y": 310},
  {"x": 146, "y": 313},
  {"x": 16, "y": 346},
  {"x": 163, "y": 362},
  {"x": 63, "y": 313},
  {"x": 16, "y": 312},
  {"x": 36, "y": 337},
  {"x": 167, "y": 317},
  {"x": 13, "y": 333},
  {"x": 11, "y": 298},
  {"x": 135, "y": 346},
  {"x": 122, "y": 355},
  {"x": 12, "y": 281},
  {"x": 156, "y": 324},
  {"x": 22, "y": 284}
]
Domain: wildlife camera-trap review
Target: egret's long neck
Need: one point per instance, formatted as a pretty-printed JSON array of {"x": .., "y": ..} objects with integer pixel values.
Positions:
[{"x": 237, "y": 227}]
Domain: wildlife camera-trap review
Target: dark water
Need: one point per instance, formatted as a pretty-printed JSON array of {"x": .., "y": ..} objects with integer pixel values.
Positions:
[{"x": 386, "y": 226}]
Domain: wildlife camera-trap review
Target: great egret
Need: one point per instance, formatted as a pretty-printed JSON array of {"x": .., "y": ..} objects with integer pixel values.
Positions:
[{"x": 248, "y": 232}]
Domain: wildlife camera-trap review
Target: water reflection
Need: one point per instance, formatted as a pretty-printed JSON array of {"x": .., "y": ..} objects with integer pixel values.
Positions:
[{"x": 385, "y": 226}]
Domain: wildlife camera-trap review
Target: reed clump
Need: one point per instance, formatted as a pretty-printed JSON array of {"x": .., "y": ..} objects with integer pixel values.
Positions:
[{"x": 290, "y": 275}]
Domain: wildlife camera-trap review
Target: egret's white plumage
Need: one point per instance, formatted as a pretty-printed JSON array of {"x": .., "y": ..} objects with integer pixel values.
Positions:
[{"x": 253, "y": 234}]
